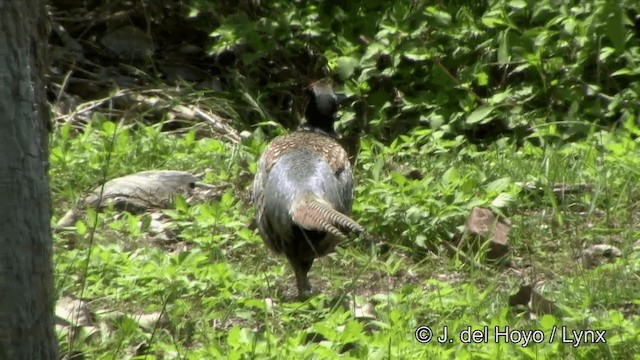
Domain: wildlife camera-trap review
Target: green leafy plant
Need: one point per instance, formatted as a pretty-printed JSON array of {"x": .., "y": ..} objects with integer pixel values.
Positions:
[{"x": 510, "y": 105}]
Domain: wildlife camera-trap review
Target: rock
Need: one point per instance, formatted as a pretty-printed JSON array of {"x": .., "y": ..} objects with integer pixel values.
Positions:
[
  {"x": 560, "y": 190},
  {"x": 150, "y": 321},
  {"x": 366, "y": 312},
  {"x": 74, "y": 317},
  {"x": 483, "y": 225},
  {"x": 535, "y": 303},
  {"x": 69, "y": 219},
  {"x": 159, "y": 228},
  {"x": 138, "y": 192},
  {"x": 597, "y": 254}
]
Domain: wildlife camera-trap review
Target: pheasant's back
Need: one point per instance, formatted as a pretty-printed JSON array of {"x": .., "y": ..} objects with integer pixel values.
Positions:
[
  {"x": 322, "y": 144},
  {"x": 293, "y": 166}
]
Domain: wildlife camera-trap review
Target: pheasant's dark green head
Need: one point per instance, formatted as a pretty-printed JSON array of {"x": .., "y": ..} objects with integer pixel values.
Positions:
[{"x": 322, "y": 105}]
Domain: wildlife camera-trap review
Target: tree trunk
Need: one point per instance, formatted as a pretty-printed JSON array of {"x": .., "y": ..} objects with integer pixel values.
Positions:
[{"x": 26, "y": 266}]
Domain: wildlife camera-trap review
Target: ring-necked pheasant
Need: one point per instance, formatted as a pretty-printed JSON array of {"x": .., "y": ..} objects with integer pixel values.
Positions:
[{"x": 303, "y": 188}]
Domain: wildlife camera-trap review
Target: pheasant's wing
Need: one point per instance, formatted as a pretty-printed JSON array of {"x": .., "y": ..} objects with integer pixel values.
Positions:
[
  {"x": 329, "y": 150},
  {"x": 345, "y": 177},
  {"x": 327, "y": 147},
  {"x": 338, "y": 160}
]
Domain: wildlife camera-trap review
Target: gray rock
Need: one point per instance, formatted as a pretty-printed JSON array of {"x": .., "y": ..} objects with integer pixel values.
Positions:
[{"x": 138, "y": 192}]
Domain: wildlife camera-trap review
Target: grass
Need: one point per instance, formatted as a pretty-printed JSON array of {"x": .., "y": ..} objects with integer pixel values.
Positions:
[{"x": 221, "y": 294}]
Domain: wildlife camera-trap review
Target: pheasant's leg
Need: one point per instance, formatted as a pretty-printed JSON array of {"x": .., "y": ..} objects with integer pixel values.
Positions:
[{"x": 301, "y": 269}]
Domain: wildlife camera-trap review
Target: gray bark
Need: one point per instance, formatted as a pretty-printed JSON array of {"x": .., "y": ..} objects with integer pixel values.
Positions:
[{"x": 26, "y": 266}]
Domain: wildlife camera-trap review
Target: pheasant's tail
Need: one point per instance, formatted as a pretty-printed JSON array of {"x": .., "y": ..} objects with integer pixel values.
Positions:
[{"x": 314, "y": 213}]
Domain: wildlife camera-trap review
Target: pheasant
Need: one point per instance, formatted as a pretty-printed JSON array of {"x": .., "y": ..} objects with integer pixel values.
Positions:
[{"x": 303, "y": 188}]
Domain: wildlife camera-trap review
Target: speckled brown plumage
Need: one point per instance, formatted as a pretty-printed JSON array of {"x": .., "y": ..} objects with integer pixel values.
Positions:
[
  {"x": 303, "y": 189},
  {"x": 318, "y": 142}
]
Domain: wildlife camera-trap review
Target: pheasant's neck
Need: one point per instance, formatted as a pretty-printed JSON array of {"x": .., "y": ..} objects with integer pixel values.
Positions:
[
  {"x": 316, "y": 118},
  {"x": 312, "y": 128}
]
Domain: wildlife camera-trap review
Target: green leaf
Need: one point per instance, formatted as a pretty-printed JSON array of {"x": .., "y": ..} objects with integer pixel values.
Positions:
[
  {"x": 81, "y": 227},
  {"x": 498, "y": 98},
  {"x": 233, "y": 337},
  {"x": 480, "y": 114},
  {"x": 346, "y": 66},
  {"x": 491, "y": 22},
  {"x": 482, "y": 78},
  {"x": 626, "y": 71},
  {"x": 450, "y": 176},
  {"x": 518, "y": 4},
  {"x": 441, "y": 18},
  {"x": 398, "y": 178},
  {"x": 615, "y": 24},
  {"x": 108, "y": 127},
  {"x": 547, "y": 322},
  {"x": 181, "y": 204},
  {"x": 503, "y": 48},
  {"x": 499, "y": 184},
  {"x": 503, "y": 200},
  {"x": 419, "y": 55}
]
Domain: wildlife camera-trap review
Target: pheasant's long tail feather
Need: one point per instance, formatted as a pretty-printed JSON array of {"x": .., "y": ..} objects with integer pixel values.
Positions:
[{"x": 314, "y": 213}]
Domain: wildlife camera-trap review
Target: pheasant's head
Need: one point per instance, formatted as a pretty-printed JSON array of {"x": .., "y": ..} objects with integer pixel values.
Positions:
[{"x": 322, "y": 105}]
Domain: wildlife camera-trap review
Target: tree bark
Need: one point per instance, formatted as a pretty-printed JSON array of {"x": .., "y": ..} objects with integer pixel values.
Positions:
[{"x": 26, "y": 266}]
